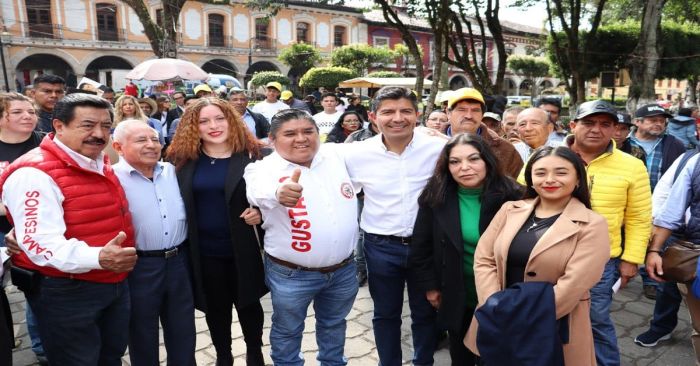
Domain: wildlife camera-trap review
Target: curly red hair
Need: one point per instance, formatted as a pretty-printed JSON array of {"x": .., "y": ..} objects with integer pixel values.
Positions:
[{"x": 186, "y": 143}]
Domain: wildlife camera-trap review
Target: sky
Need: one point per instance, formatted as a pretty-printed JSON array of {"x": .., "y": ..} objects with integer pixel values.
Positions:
[{"x": 534, "y": 16}]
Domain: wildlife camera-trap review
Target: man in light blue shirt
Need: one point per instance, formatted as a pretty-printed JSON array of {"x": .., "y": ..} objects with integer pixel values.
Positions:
[{"x": 160, "y": 283}]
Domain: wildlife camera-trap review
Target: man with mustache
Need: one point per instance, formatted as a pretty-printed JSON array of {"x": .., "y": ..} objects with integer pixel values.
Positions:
[{"x": 74, "y": 228}]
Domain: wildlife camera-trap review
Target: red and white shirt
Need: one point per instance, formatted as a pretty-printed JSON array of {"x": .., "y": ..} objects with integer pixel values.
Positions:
[{"x": 322, "y": 229}]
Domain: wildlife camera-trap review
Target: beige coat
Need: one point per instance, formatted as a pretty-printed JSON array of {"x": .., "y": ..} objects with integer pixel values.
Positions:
[{"x": 571, "y": 254}]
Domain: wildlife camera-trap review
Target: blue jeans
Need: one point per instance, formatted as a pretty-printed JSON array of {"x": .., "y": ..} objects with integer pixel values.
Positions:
[
  {"x": 292, "y": 290},
  {"x": 604, "y": 338},
  {"x": 33, "y": 331},
  {"x": 388, "y": 275},
  {"x": 161, "y": 291},
  {"x": 82, "y": 323}
]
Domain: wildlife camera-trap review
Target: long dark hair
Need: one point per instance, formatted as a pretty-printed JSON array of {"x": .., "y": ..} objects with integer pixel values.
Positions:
[
  {"x": 435, "y": 190},
  {"x": 336, "y": 134},
  {"x": 581, "y": 192}
]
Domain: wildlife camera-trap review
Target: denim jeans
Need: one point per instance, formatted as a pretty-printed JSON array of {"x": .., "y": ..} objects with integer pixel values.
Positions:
[
  {"x": 388, "y": 275},
  {"x": 292, "y": 290},
  {"x": 604, "y": 338},
  {"x": 33, "y": 331},
  {"x": 82, "y": 323}
]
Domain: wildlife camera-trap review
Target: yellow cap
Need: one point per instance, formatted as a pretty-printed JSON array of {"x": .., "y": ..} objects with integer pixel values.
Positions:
[
  {"x": 202, "y": 87},
  {"x": 287, "y": 95},
  {"x": 465, "y": 94},
  {"x": 274, "y": 84}
]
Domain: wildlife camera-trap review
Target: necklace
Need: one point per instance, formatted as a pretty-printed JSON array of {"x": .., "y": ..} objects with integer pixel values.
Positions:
[
  {"x": 538, "y": 223},
  {"x": 213, "y": 159}
]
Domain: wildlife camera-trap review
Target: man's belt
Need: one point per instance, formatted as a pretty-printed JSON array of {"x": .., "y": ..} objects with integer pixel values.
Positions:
[
  {"x": 405, "y": 240},
  {"x": 327, "y": 269},
  {"x": 164, "y": 253}
]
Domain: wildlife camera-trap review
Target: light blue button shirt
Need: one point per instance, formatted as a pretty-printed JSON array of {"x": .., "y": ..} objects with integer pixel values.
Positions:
[
  {"x": 157, "y": 209},
  {"x": 673, "y": 211}
]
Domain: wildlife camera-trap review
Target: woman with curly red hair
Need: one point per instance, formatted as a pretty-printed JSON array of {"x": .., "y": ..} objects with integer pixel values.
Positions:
[{"x": 210, "y": 149}]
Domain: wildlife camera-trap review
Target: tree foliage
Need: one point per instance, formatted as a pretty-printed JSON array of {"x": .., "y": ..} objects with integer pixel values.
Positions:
[
  {"x": 327, "y": 77},
  {"x": 384, "y": 74},
  {"x": 300, "y": 57},
  {"x": 530, "y": 66},
  {"x": 360, "y": 57},
  {"x": 263, "y": 77}
]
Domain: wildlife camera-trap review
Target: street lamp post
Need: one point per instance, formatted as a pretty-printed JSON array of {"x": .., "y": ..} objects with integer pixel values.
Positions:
[{"x": 2, "y": 59}]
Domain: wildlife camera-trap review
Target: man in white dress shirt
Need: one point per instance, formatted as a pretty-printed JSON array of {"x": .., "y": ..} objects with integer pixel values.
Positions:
[
  {"x": 392, "y": 169},
  {"x": 309, "y": 209}
]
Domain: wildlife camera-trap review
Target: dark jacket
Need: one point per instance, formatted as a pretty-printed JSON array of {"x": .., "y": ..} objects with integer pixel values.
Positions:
[
  {"x": 437, "y": 250},
  {"x": 45, "y": 123},
  {"x": 262, "y": 125},
  {"x": 246, "y": 251},
  {"x": 361, "y": 135},
  {"x": 518, "y": 326},
  {"x": 672, "y": 149},
  {"x": 633, "y": 150}
]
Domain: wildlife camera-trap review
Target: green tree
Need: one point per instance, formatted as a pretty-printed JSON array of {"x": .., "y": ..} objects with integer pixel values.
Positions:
[
  {"x": 300, "y": 56},
  {"x": 360, "y": 57},
  {"x": 534, "y": 68},
  {"x": 327, "y": 77},
  {"x": 263, "y": 77},
  {"x": 384, "y": 74}
]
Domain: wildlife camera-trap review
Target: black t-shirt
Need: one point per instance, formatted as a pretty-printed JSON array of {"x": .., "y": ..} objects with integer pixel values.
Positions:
[
  {"x": 8, "y": 154},
  {"x": 522, "y": 245}
]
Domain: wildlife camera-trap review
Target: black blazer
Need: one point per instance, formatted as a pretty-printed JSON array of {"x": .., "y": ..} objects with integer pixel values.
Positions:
[
  {"x": 262, "y": 126},
  {"x": 437, "y": 251},
  {"x": 246, "y": 251}
]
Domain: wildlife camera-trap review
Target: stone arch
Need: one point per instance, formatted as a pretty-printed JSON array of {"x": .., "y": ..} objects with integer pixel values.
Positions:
[
  {"x": 458, "y": 81},
  {"x": 39, "y": 63},
  {"x": 260, "y": 66},
  {"x": 509, "y": 87},
  {"x": 107, "y": 62},
  {"x": 525, "y": 87}
]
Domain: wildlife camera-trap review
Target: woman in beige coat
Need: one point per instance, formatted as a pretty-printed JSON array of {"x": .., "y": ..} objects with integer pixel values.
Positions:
[{"x": 551, "y": 236}]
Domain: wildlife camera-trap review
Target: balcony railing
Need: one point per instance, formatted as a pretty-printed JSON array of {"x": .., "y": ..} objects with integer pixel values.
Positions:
[
  {"x": 110, "y": 35},
  {"x": 220, "y": 41},
  {"x": 45, "y": 31},
  {"x": 263, "y": 44}
]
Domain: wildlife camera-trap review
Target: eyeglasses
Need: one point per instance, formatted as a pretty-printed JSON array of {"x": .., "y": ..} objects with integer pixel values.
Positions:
[{"x": 351, "y": 121}]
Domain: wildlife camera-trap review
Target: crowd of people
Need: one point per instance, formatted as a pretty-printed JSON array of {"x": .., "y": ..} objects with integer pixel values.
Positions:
[{"x": 502, "y": 226}]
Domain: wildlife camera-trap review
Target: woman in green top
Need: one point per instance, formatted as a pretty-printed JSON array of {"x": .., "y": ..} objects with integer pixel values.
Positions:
[{"x": 466, "y": 190}]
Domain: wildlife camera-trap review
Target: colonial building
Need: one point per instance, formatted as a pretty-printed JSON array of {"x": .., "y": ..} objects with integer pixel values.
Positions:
[{"x": 101, "y": 39}]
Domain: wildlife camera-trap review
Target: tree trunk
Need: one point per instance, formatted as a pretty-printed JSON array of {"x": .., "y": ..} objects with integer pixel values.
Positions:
[
  {"x": 644, "y": 61},
  {"x": 163, "y": 40},
  {"x": 437, "y": 72},
  {"x": 691, "y": 96}
]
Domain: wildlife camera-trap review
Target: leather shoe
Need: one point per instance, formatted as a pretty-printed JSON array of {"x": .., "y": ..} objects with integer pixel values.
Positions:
[
  {"x": 254, "y": 357},
  {"x": 650, "y": 292}
]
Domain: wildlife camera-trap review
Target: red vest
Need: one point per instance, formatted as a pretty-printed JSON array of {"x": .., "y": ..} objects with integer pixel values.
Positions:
[{"x": 95, "y": 208}]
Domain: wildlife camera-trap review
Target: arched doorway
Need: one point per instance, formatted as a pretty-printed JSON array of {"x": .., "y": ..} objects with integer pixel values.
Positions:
[
  {"x": 219, "y": 66},
  {"x": 509, "y": 87},
  {"x": 545, "y": 84},
  {"x": 42, "y": 63},
  {"x": 458, "y": 81},
  {"x": 109, "y": 70},
  {"x": 525, "y": 87}
]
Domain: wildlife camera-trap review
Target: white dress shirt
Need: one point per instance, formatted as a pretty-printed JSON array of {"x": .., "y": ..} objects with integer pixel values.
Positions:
[
  {"x": 391, "y": 182},
  {"x": 322, "y": 229},
  {"x": 69, "y": 255}
]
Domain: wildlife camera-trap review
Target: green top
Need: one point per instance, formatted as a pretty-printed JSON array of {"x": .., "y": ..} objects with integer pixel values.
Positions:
[{"x": 469, "y": 214}]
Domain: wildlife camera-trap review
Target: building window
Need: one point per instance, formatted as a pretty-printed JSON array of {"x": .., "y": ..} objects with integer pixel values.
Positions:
[
  {"x": 302, "y": 32},
  {"x": 39, "y": 18},
  {"x": 380, "y": 41},
  {"x": 107, "y": 22},
  {"x": 261, "y": 33},
  {"x": 216, "y": 30},
  {"x": 339, "y": 36},
  {"x": 159, "y": 17}
]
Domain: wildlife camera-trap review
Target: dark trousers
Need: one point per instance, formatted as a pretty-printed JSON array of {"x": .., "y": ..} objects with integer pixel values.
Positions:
[
  {"x": 460, "y": 354},
  {"x": 387, "y": 269},
  {"x": 220, "y": 288},
  {"x": 82, "y": 323},
  {"x": 161, "y": 290},
  {"x": 7, "y": 337}
]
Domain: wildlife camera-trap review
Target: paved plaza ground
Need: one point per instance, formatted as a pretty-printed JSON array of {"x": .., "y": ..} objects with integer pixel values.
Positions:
[{"x": 631, "y": 313}]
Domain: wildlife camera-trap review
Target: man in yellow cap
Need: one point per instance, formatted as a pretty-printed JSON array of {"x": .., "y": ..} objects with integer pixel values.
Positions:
[
  {"x": 202, "y": 91},
  {"x": 465, "y": 110},
  {"x": 271, "y": 104},
  {"x": 289, "y": 99}
]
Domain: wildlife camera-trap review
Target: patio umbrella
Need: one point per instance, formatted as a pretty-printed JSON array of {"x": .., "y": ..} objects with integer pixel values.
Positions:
[{"x": 166, "y": 69}]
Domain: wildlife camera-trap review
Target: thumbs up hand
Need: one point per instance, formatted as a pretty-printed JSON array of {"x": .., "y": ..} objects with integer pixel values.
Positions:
[
  {"x": 290, "y": 191},
  {"x": 115, "y": 258}
]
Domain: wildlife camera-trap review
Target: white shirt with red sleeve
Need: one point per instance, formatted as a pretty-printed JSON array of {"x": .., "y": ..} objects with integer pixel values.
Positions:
[
  {"x": 322, "y": 229},
  {"x": 36, "y": 205}
]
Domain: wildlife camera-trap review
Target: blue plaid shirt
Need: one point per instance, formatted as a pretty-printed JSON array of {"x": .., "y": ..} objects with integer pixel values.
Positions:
[{"x": 653, "y": 158}]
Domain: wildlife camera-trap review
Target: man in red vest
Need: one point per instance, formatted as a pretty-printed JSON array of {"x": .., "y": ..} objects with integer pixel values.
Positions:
[{"x": 73, "y": 225}]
